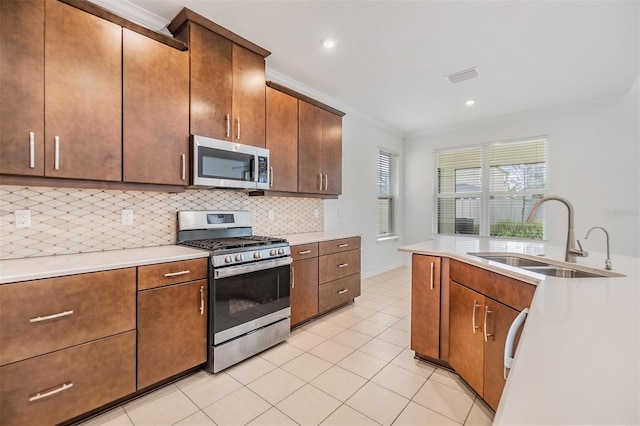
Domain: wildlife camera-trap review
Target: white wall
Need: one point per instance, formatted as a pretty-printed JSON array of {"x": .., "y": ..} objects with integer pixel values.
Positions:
[{"x": 594, "y": 161}]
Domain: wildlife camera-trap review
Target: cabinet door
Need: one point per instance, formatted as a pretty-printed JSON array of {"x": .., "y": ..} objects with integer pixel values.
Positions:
[
  {"x": 211, "y": 83},
  {"x": 425, "y": 305},
  {"x": 22, "y": 83},
  {"x": 248, "y": 101},
  {"x": 156, "y": 111},
  {"x": 466, "y": 343},
  {"x": 83, "y": 102},
  {"x": 172, "y": 330},
  {"x": 332, "y": 153},
  {"x": 304, "y": 290},
  {"x": 498, "y": 319},
  {"x": 282, "y": 140},
  {"x": 310, "y": 176}
]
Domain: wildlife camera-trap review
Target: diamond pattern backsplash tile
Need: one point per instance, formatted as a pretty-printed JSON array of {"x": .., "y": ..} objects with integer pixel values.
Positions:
[{"x": 66, "y": 221}]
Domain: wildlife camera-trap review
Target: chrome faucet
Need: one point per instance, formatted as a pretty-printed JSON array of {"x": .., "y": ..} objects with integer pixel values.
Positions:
[
  {"x": 607, "y": 263},
  {"x": 571, "y": 251}
]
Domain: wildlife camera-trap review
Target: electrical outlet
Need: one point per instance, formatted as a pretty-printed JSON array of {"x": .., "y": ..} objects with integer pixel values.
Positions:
[
  {"x": 22, "y": 218},
  {"x": 127, "y": 217},
  {"x": 271, "y": 215},
  {"x": 316, "y": 213}
]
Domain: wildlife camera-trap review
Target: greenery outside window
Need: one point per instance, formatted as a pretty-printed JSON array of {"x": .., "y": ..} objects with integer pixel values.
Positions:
[
  {"x": 489, "y": 190},
  {"x": 388, "y": 194}
]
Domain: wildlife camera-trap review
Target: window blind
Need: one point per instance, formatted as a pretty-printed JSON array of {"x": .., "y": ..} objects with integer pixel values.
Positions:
[{"x": 388, "y": 193}]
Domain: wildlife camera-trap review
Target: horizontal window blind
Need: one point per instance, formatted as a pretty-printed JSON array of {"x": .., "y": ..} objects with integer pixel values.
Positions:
[{"x": 388, "y": 193}]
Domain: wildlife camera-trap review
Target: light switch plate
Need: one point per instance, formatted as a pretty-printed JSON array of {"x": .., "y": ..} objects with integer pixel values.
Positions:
[
  {"x": 127, "y": 217},
  {"x": 22, "y": 218},
  {"x": 271, "y": 215}
]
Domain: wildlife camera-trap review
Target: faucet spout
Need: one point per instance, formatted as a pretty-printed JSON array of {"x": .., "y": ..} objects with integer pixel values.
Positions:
[
  {"x": 607, "y": 263},
  {"x": 571, "y": 250}
]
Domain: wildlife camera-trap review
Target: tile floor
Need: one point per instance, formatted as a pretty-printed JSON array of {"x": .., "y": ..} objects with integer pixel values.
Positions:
[{"x": 351, "y": 367}]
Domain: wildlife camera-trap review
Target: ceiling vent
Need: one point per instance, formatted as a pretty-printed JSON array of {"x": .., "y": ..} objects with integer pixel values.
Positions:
[{"x": 459, "y": 76}]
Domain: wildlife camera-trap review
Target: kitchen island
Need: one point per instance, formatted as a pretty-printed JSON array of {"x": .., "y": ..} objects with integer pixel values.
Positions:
[{"x": 578, "y": 359}]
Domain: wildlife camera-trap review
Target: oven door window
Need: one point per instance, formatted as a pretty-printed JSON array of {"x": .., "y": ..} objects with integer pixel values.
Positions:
[
  {"x": 220, "y": 164},
  {"x": 243, "y": 298}
]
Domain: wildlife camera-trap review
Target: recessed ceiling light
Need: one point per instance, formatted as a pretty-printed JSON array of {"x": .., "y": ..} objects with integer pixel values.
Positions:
[
  {"x": 470, "y": 102},
  {"x": 328, "y": 43}
]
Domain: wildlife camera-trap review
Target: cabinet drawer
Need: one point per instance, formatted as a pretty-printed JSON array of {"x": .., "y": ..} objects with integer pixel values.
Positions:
[
  {"x": 304, "y": 251},
  {"x": 162, "y": 274},
  {"x": 41, "y": 316},
  {"x": 336, "y": 246},
  {"x": 511, "y": 292},
  {"x": 94, "y": 373},
  {"x": 338, "y": 292},
  {"x": 338, "y": 265}
]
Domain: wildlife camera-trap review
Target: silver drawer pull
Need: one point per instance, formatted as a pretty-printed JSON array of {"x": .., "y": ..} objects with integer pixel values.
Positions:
[
  {"x": 343, "y": 291},
  {"x": 183, "y": 158},
  {"x": 201, "y": 300},
  {"x": 32, "y": 150},
  {"x": 304, "y": 252},
  {"x": 175, "y": 274},
  {"x": 50, "y": 317},
  {"x": 343, "y": 245},
  {"x": 59, "y": 389},
  {"x": 56, "y": 153},
  {"x": 342, "y": 265}
]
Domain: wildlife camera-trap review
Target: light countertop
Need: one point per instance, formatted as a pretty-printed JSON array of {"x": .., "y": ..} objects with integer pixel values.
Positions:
[
  {"x": 578, "y": 360},
  {"x": 33, "y": 268},
  {"x": 315, "y": 237}
]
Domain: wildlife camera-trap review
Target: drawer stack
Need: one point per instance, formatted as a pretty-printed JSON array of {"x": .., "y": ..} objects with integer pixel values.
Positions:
[{"x": 339, "y": 272}]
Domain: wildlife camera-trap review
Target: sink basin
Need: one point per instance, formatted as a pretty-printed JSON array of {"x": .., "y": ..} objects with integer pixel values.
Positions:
[{"x": 546, "y": 267}]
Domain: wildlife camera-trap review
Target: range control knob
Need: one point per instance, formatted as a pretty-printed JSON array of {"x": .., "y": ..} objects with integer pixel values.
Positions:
[
  {"x": 227, "y": 259},
  {"x": 280, "y": 251},
  {"x": 239, "y": 258},
  {"x": 256, "y": 255},
  {"x": 272, "y": 252}
]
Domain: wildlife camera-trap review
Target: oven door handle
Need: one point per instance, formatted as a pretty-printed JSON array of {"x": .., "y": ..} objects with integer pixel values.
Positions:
[{"x": 251, "y": 267}]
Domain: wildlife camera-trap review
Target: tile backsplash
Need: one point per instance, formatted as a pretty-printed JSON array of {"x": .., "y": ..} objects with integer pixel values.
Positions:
[{"x": 65, "y": 221}]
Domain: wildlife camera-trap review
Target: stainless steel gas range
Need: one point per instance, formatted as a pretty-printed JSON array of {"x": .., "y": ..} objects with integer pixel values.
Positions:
[{"x": 249, "y": 284}]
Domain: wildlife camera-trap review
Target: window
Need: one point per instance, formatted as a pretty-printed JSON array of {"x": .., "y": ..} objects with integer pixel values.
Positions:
[
  {"x": 388, "y": 194},
  {"x": 490, "y": 189}
]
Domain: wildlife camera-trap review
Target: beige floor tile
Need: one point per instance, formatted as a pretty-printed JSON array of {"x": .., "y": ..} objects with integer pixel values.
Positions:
[
  {"x": 273, "y": 417},
  {"x": 169, "y": 408},
  {"x": 352, "y": 338},
  {"x": 378, "y": 403},
  {"x": 359, "y": 311},
  {"x": 343, "y": 319},
  {"x": 238, "y": 408},
  {"x": 401, "y": 303},
  {"x": 369, "y": 328},
  {"x": 396, "y": 311},
  {"x": 417, "y": 415},
  {"x": 305, "y": 340},
  {"x": 451, "y": 379},
  {"x": 346, "y": 415},
  {"x": 397, "y": 337},
  {"x": 381, "y": 349},
  {"x": 281, "y": 354},
  {"x": 308, "y": 406},
  {"x": 115, "y": 417},
  {"x": 445, "y": 400},
  {"x": 325, "y": 328},
  {"x": 385, "y": 299},
  {"x": 249, "y": 370},
  {"x": 331, "y": 351},
  {"x": 307, "y": 367},
  {"x": 205, "y": 389},
  {"x": 399, "y": 380},
  {"x": 480, "y": 415},
  {"x": 197, "y": 419},
  {"x": 403, "y": 325},
  {"x": 339, "y": 383},
  {"x": 384, "y": 319},
  {"x": 407, "y": 361},
  {"x": 276, "y": 385},
  {"x": 362, "y": 364}
]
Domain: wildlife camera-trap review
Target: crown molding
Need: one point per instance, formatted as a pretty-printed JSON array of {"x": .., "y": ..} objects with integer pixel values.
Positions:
[{"x": 135, "y": 13}]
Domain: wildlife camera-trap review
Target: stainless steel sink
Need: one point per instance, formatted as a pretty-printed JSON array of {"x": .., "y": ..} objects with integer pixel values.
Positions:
[{"x": 546, "y": 267}]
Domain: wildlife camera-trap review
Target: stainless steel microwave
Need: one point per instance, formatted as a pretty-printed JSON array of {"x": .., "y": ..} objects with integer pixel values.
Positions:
[{"x": 223, "y": 164}]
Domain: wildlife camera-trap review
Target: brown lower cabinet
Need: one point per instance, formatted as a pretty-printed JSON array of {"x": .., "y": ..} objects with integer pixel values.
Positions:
[
  {"x": 425, "y": 305},
  {"x": 58, "y": 386},
  {"x": 304, "y": 283}
]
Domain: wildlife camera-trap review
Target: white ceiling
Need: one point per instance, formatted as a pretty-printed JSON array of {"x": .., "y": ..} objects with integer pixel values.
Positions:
[{"x": 392, "y": 56}]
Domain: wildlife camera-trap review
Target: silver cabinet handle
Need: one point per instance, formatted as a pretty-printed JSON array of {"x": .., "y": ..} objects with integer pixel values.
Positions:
[
  {"x": 183, "y": 157},
  {"x": 56, "y": 154},
  {"x": 343, "y": 291},
  {"x": 511, "y": 339},
  {"x": 486, "y": 315},
  {"x": 343, "y": 245},
  {"x": 50, "y": 317},
  {"x": 304, "y": 252},
  {"x": 270, "y": 176},
  {"x": 238, "y": 135},
  {"x": 343, "y": 265},
  {"x": 175, "y": 274},
  {"x": 40, "y": 395},
  {"x": 293, "y": 277},
  {"x": 432, "y": 267},
  {"x": 320, "y": 185},
  {"x": 227, "y": 119},
  {"x": 32, "y": 150},
  {"x": 201, "y": 300},
  {"x": 326, "y": 182},
  {"x": 473, "y": 316}
]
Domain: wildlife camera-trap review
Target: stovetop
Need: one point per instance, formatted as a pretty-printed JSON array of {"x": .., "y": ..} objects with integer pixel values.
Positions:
[{"x": 250, "y": 241}]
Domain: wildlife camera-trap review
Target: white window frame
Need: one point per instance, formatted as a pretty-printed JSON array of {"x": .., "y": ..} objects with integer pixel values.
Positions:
[{"x": 394, "y": 212}]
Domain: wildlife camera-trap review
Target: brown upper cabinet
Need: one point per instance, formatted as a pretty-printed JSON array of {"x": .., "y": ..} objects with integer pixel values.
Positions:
[
  {"x": 227, "y": 77},
  {"x": 282, "y": 140},
  {"x": 77, "y": 62},
  {"x": 156, "y": 111}
]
